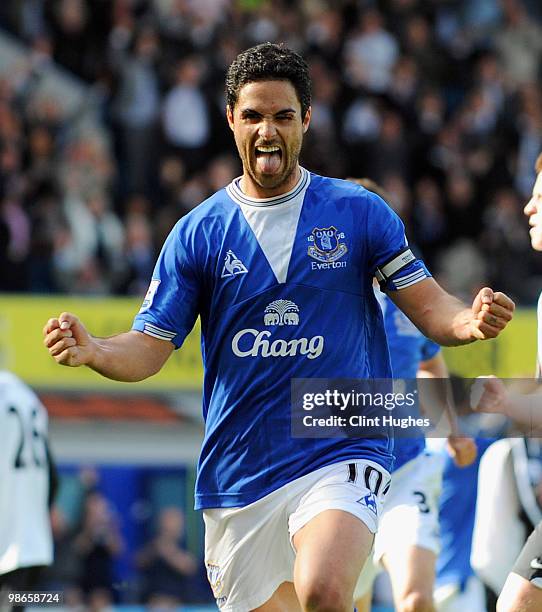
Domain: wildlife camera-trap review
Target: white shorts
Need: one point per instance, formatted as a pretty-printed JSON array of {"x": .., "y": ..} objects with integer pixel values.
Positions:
[
  {"x": 249, "y": 551},
  {"x": 410, "y": 516}
]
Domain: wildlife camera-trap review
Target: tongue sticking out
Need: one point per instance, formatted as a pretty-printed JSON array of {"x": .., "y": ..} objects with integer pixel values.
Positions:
[{"x": 268, "y": 163}]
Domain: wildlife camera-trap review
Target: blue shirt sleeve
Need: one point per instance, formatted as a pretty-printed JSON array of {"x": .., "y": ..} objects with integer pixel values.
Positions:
[
  {"x": 390, "y": 258},
  {"x": 170, "y": 307},
  {"x": 429, "y": 349}
]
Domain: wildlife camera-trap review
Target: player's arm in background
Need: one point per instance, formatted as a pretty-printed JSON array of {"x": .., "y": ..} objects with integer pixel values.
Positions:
[
  {"x": 436, "y": 391},
  {"x": 127, "y": 357},
  {"x": 446, "y": 320},
  {"x": 519, "y": 402}
]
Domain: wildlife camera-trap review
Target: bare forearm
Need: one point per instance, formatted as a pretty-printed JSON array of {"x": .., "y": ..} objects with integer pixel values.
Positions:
[
  {"x": 436, "y": 401},
  {"x": 525, "y": 411},
  {"x": 436, "y": 396},
  {"x": 446, "y": 320},
  {"x": 518, "y": 402},
  {"x": 128, "y": 357}
]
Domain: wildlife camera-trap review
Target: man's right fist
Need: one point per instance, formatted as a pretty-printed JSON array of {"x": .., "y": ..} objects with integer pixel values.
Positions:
[{"x": 68, "y": 341}]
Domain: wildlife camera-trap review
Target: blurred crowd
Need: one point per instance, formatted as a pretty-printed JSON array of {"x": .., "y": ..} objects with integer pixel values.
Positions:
[
  {"x": 439, "y": 101},
  {"x": 89, "y": 542}
]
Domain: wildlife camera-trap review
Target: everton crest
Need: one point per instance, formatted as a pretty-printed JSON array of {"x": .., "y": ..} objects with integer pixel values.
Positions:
[
  {"x": 214, "y": 575},
  {"x": 326, "y": 245}
]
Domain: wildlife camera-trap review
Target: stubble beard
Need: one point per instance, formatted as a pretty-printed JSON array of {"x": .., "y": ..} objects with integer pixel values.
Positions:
[{"x": 272, "y": 181}]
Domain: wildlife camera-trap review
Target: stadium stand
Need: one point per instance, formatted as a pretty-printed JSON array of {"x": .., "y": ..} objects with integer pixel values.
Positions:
[{"x": 452, "y": 122}]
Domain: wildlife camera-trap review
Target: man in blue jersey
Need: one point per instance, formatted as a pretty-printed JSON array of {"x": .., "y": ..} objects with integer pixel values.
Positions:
[
  {"x": 407, "y": 543},
  {"x": 457, "y": 587},
  {"x": 279, "y": 268}
]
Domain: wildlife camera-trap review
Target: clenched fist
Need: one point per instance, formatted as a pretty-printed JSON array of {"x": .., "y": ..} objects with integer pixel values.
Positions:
[
  {"x": 492, "y": 311},
  {"x": 68, "y": 341}
]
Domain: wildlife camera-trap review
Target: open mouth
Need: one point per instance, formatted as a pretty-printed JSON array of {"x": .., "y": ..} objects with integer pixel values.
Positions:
[{"x": 268, "y": 158}]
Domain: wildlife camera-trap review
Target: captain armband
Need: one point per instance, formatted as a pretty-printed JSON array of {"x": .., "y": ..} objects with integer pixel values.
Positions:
[{"x": 400, "y": 261}]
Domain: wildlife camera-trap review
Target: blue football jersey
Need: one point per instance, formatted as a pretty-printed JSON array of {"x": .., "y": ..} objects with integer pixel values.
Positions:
[
  {"x": 408, "y": 347},
  {"x": 283, "y": 287},
  {"x": 456, "y": 516}
]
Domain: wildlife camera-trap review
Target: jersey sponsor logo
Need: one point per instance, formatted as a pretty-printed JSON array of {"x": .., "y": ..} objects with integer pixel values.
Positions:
[
  {"x": 149, "y": 296},
  {"x": 281, "y": 312},
  {"x": 258, "y": 343},
  {"x": 232, "y": 265},
  {"x": 261, "y": 345},
  {"x": 536, "y": 563},
  {"x": 325, "y": 247}
]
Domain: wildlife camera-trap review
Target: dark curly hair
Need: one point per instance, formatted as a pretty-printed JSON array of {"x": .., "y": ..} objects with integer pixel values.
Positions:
[{"x": 269, "y": 62}]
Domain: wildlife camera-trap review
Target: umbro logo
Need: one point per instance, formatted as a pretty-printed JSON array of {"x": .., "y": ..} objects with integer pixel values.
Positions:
[{"x": 233, "y": 265}]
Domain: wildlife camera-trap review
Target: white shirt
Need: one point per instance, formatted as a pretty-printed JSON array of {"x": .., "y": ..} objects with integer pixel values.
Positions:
[
  {"x": 274, "y": 221},
  {"x": 25, "y": 529}
]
